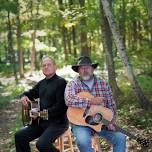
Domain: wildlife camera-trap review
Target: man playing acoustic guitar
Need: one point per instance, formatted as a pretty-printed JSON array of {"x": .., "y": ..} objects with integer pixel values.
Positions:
[
  {"x": 87, "y": 98},
  {"x": 50, "y": 92}
]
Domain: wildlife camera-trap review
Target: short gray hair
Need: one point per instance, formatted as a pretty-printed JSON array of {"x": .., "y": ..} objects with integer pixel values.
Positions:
[{"x": 48, "y": 57}]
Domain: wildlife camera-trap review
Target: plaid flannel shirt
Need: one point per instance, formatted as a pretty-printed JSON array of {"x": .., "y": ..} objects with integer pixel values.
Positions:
[{"x": 100, "y": 88}]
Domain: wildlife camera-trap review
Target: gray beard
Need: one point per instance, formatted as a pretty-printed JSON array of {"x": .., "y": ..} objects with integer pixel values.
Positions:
[{"x": 87, "y": 77}]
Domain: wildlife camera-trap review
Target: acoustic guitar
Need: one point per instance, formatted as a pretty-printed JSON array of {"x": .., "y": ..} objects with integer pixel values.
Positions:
[
  {"x": 76, "y": 116},
  {"x": 27, "y": 115}
]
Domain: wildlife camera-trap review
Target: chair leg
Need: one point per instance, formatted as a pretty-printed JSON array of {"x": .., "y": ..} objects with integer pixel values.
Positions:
[
  {"x": 96, "y": 144},
  {"x": 66, "y": 137},
  {"x": 70, "y": 143},
  {"x": 61, "y": 144}
]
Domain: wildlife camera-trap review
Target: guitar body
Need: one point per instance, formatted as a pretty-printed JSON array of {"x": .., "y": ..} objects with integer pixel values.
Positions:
[
  {"x": 75, "y": 115},
  {"x": 26, "y": 119},
  {"x": 26, "y": 114}
]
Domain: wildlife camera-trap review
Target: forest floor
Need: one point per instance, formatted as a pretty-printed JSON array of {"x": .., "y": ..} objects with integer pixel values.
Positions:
[
  {"x": 8, "y": 118},
  {"x": 7, "y": 122}
]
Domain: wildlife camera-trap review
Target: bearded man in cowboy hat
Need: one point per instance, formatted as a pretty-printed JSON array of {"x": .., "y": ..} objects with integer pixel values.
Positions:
[{"x": 101, "y": 95}]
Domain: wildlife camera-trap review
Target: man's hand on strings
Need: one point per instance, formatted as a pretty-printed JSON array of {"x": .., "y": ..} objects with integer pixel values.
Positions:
[
  {"x": 25, "y": 100},
  {"x": 34, "y": 113},
  {"x": 97, "y": 101}
]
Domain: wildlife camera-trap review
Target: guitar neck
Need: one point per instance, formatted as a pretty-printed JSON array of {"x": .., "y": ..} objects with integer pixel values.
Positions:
[
  {"x": 106, "y": 122},
  {"x": 125, "y": 132},
  {"x": 43, "y": 114},
  {"x": 140, "y": 140}
]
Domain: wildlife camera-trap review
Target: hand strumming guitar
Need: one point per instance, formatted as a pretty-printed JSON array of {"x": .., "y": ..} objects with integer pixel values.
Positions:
[
  {"x": 95, "y": 101},
  {"x": 34, "y": 113}
]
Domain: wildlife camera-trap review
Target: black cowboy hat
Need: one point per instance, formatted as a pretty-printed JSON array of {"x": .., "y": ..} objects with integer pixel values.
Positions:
[{"x": 84, "y": 60}]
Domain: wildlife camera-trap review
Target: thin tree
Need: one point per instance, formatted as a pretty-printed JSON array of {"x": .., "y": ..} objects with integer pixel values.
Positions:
[
  {"x": 10, "y": 47},
  {"x": 73, "y": 33},
  {"x": 63, "y": 31},
  {"x": 107, "y": 44},
  {"x": 149, "y": 8},
  {"x": 19, "y": 48},
  {"x": 33, "y": 36},
  {"x": 143, "y": 101},
  {"x": 83, "y": 35}
]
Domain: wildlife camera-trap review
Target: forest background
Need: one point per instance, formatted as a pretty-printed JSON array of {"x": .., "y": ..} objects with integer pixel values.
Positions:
[{"x": 115, "y": 33}]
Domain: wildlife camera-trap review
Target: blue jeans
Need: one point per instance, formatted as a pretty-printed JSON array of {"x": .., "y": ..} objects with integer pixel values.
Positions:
[{"x": 84, "y": 134}]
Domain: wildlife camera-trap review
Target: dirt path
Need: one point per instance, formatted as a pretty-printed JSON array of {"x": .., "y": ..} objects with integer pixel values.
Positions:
[{"x": 7, "y": 122}]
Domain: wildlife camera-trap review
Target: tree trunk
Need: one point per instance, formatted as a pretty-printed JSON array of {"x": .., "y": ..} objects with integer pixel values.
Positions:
[
  {"x": 83, "y": 36},
  {"x": 123, "y": 20},
  {"x": 107, "y": 44},
  {"x": 74, "y": 41},
  {"x": 33, "y": 55},
  {"x": 69, "y": 42},
  {"x": 64, "y": 31},
  {"x": 21, "y": 61},
  {"x": 10, "y": 48},
  {"x": 149, "y": 8},
  {"x": 143, "y": 101},
  {"x": 33, "y": 37},
  {"x": 73, "y": 33}
]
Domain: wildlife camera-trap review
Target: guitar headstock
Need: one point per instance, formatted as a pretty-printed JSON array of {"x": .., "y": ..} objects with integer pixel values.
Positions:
[{"x": 144, "y": 142}]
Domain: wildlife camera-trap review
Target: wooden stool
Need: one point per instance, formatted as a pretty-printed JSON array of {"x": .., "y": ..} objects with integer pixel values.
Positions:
[
  {"x": 64, "y": 142},
  {"x": 96, "y": 143}
]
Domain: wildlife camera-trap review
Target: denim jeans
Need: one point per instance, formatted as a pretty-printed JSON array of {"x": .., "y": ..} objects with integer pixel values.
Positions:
[{"x": 84, "y": 134}]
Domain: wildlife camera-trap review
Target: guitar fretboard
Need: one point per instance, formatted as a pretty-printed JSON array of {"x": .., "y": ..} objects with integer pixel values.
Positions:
[{"x": 140, "y": 140}]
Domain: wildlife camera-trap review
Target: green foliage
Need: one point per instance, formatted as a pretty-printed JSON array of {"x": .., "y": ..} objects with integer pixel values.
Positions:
[
  {"x": 128, "y": 96},
  {"x": 7, "y": 69},
  {"x": 98, "y": 58},
  {"x": 135, "y": 116},
  {"x": 17, "y": 126},
  {"x": 9, "y": 92},
  {"x": 5, "y": 97},
  {"x": 5, "y": 100},
  {"x": 146, "y": 83},
  {"x": 141, "y": 59},
  {"x": 8, "y": 6},
  {"x": 16, "y": 90},
  {"x": 129, "y": 109}
]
